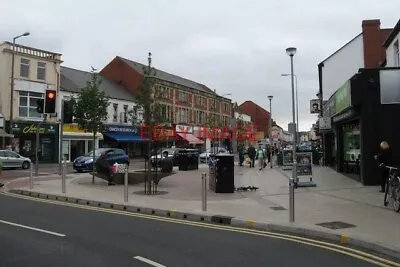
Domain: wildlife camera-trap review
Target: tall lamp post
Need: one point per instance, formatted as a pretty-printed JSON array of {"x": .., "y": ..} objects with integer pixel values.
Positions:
[
  {"x": 297, "y": 102},
  {"x": 291, "y": 51},
  {"x": 228, "y": 94},
  {"x": 12, "y": 79},
  {"x": 270, "y": 129}
]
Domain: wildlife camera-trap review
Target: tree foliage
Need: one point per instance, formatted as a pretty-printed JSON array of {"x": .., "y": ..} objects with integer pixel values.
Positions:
[{"x": 90, "y": 105}]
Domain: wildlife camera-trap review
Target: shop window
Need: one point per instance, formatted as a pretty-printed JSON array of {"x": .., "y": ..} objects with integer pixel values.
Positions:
[
  {"x": 351, "y": 142},
  {"x": 27, "y": 104},
  {"x": 24, "y": 68},
  {"x": 41, "y": 71}
]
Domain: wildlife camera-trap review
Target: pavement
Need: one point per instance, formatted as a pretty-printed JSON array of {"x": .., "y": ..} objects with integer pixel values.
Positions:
[
  {"x": 339, "y": 208},
  {"x": 34, "y": 233}
]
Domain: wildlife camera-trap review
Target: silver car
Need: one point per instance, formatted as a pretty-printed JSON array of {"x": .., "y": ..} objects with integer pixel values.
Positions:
[{"x": 11, "y": 159}]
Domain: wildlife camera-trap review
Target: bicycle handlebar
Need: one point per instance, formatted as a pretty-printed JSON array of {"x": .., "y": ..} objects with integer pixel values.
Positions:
[{"x": 391, "y": 168}]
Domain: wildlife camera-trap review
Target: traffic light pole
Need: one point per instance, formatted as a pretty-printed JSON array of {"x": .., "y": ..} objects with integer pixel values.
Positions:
[
  {"x": 37, "y": 145},
  {"x": 61, "y": 137}
]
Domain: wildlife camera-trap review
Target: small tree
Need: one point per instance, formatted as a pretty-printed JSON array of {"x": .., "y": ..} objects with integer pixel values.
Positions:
[
  {"x": 148, "y": 110},
  {"x": 90, "y": 109}
]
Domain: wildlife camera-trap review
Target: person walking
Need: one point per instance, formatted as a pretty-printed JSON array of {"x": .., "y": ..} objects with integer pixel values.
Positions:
[
  {"x": 241, "y": 154},
  {"x": 385, "y": 158},
  {"x": 261, "y": 157},
  {"x": 251, "y": 152}
]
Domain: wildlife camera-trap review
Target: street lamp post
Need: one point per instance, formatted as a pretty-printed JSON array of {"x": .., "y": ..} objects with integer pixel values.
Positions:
[
  {"x": 297, "y": 102},
  {"x": 228, "y": 94},
  {"x": 270, "y": 129},
  {"x": 12, "y": 79},
  {"x": 291, "y": 51}
]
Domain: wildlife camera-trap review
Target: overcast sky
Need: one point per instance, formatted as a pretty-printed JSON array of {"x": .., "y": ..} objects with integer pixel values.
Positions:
[{"x": 232, "y": 46}]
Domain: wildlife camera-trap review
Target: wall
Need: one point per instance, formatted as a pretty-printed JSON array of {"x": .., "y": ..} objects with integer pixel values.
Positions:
[
  {"x": 259, "y": 116},
  {"x": 341, "y": 66},
  {"x": 243, "y": 117},
  {"x": 390, "y": 53}
]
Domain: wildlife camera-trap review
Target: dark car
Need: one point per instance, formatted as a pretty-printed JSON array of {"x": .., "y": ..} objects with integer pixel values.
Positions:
[
  {"x": 108, "y": 157},
  {"x": 173, "y": 153},
  {"x": 85, "y": 162}
]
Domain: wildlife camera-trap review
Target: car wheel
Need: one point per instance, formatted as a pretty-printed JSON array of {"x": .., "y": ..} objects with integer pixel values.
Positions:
[{"x": 26, "y": 165}]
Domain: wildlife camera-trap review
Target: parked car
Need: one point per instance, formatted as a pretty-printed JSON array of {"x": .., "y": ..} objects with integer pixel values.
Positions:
[
  {"x": 173, "y": 153},
  {"x": 12, "y": 159},
  {"x": 85, "y": 162},
  {"x": 214, "y": 150},
  {"x": 108, "y": 157}
]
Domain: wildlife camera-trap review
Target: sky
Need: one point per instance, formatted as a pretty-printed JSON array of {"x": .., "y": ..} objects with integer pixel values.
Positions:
[{"x": 235, "y": 47}]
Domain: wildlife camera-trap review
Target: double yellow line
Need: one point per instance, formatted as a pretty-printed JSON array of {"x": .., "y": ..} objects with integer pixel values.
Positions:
[{"x": 379, "y": 261}]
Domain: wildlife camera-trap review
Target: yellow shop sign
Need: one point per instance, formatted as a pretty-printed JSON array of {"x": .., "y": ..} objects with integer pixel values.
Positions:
[{"x": 72, "y": 128}]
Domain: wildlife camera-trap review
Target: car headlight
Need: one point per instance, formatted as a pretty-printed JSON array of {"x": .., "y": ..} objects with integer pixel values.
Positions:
[{"x": 89, "y": 161}]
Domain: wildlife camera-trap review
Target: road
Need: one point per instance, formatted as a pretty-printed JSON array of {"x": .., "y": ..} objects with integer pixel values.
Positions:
[
  {"x": 37, "y": 233},
  {"x": 45, "y": 169}
]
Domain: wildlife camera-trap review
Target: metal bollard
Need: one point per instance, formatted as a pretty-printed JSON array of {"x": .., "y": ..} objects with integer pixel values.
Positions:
[
  {"x": 64, "y": 173},
  {"x": 126, "y": 183},
  {"x": 31, "y": 176},
  {"x": 204, "y": 191}
]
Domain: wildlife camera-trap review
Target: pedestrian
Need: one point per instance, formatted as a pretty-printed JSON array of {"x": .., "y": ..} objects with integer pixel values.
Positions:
[
  {"x": 260, "y": 157},
  {"x": 251, "y": 152},
  {"x": 241, "y": 155},
  {"x": 1, "y": 172},
  {"x": 384, "y": 157}
]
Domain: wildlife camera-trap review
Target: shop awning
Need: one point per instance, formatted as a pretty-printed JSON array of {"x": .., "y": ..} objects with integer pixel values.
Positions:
[
  {"x": 125, "y": 138},
  {"x": 4, "y": 134},
  {"x": 191, "y": 138}
]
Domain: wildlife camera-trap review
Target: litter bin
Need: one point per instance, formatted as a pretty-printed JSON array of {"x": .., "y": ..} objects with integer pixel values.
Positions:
[
  {"x": 222, "y": 173},
  {"x": 188, "y": 159}
]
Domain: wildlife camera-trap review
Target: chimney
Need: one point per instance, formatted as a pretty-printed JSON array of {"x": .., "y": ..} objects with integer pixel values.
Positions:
[{"x": 374, "y": 52}]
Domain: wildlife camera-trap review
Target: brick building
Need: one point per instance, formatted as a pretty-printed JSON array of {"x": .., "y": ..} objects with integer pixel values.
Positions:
[
  {"x": 184, "y": 101},
  {"x": 259, "y": 116}
]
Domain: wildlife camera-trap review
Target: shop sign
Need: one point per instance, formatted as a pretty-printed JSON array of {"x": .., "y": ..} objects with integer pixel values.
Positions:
[
  {"x": 122, "y": 129},
  {"x": 345, "y": 115},
  {"x": 342, "y": 98},
  {"x": 304, "y": 166},
  {"x": 30, "y": 128},
  {"x": 314, "y": 106},
  {"x": 324, "y": 123},
  {"x": 72, "y": 128},
  {"x": 183, "y": 128}
]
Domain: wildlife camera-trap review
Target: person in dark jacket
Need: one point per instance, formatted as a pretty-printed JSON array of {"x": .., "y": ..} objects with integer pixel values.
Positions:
[
  {"x": 241, "y": 154},
  {"x": 385, "y": 157},
  {"x": 251, "y": 152}
]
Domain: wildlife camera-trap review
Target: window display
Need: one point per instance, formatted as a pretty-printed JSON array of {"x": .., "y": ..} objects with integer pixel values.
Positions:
[{"x": 351, "y": 142}]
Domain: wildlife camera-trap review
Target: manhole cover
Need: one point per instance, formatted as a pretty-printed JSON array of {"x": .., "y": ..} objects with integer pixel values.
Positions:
[
  {"x": 277, "y": 208},
  {"x": 336, "y": 225},
  {"x": 152, "y": 194}
]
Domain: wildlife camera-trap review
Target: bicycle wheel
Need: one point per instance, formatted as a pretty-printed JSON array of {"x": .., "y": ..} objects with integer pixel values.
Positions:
[
  {"x": 387, "y": 194},
  {"x": 396, "y": 199}
]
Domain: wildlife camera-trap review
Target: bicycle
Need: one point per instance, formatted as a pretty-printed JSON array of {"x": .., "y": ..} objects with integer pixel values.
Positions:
[{"x": 392, "y": 188}]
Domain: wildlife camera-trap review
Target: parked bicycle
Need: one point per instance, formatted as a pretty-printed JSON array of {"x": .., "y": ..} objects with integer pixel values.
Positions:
[{"x": 392, "y": 188}]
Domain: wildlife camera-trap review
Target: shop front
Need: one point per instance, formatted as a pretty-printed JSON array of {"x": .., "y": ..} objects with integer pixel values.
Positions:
[
  {"x": 125, "y": 137},
  {"x": 24, "y": 140},
  {"x": 76, "y": 142}
]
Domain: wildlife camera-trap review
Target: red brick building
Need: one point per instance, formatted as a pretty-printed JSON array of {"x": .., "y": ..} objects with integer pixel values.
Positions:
[
  {"x": 184, "y": 101},
  {"x": 259, "y": 116}
]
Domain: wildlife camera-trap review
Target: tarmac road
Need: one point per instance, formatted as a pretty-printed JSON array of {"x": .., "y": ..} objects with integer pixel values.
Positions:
[{"x": 41, "y": 233}]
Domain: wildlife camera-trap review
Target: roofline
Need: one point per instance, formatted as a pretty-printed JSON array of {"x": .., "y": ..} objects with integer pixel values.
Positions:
[
  {"x": 341, "y": 48},
  {"x": 393, "y": 34},
  {"x": 29, "y": 47}
]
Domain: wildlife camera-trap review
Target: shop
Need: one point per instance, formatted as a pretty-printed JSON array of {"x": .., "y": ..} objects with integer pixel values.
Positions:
[
  {"x": 125, "y": 137},
  {"x": 186, "y": 136},
  {"x": 77, "y": 142},
  {"x": 24, "y": 140},
  {"x": 361, "y": 119}
]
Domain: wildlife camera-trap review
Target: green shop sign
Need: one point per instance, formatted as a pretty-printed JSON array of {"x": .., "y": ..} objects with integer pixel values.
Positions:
[
  {"x": 31, "y": 127},
  {"x": 342, "y": 98}
]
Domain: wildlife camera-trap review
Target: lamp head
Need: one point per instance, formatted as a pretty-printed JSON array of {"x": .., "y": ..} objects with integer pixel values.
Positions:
[
  {"x": 291, "y": 51},
  {"x": 270, "y": 97},
  {"x": 25, "y": 34}
]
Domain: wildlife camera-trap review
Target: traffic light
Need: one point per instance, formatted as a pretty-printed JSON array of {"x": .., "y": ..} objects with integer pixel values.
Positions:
[
  {"x": 40, "y": 106},
  {"x": 50, "y": 104}
]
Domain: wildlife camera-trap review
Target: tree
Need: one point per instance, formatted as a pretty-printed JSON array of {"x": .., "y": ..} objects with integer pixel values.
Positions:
[
  {"x": 148, "y": 111},
  {"x": 90, "y": 109}
]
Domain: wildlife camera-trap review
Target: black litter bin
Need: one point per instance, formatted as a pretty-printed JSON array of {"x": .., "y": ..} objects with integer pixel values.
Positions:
[
  {"x": 222, "y": 174},
  {"x": 188, "y": 159}
]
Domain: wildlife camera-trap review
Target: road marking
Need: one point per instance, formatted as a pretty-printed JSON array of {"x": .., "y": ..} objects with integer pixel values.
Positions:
[
  {"x": 150, "y": 262},
  {"x": 32, "y": 228},
  {"x": 368, "y": 257}
]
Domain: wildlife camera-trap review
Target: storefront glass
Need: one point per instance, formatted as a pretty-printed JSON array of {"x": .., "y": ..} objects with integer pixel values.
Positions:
[{"x": 351, "y": 142}]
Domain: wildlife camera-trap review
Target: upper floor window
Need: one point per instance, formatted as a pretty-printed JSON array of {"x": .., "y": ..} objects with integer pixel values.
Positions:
[
  {"x": 396, "y": 54},
  {"x": 27, "y": 104},
  {"x": 115, "y": 112},
  {"x": 41, "y": 71},
  {"x": 164, "y": 92},
  {"x": 125, "y": 113},
  {"x": 183, "y": 96},
  {"x": 24, "y": 68}
]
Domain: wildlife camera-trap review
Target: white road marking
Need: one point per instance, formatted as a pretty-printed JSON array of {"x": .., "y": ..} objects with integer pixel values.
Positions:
[
  {"x": 152, "y": 263},
  {"x": 33, "y": 228}
]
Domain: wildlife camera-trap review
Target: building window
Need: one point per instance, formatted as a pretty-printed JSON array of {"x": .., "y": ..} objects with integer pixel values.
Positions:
[
  {"x": 41, "y": 71},
  {"x": 115, "y": 112},
  {"x": 396, "y": 54},
  {"x": 24, "y": 68},
  {"x": 183, "y": 97},
  {"x": 125, "y": 113},
  {"x": 164, "y": 92},
  {"x": 200, "y": 117},
  {"x": 27, "y": 104}
]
